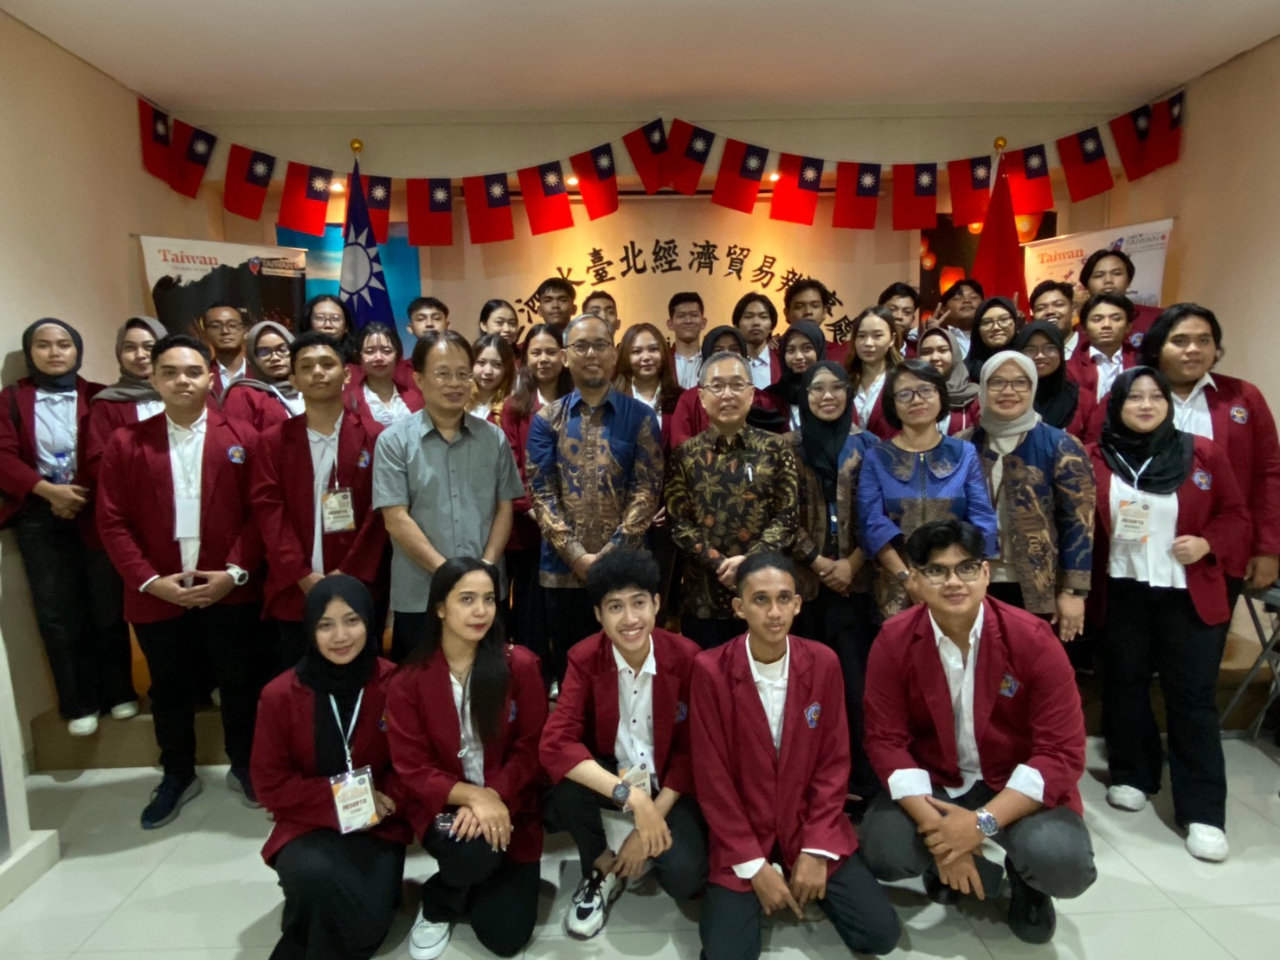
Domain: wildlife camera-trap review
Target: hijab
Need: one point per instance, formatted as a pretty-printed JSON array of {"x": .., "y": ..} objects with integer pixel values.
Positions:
[
  {"x": 979, "y": 351},
  {"x": 65, "y": 382},
  {"x": 343, "y": 681},
  {"x": 708, "y": 342},
  {"x": 961, "y": 390},
  {"x": 131, "y": 389},
  {"x": 789, "y": 388},
  {"x": 1166, "y": 451},
  {"x": 255, "y": 376},
  {"x": 992, "y": 425},
  {"x": 1056, "y": 396},
  {"x": 822, "y": 440}
]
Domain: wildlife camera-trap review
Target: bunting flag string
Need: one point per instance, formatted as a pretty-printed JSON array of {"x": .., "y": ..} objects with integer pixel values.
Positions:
[{"x": 1147, "y": 139}]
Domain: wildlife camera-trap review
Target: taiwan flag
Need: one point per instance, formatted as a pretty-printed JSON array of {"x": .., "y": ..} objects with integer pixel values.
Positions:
[
  {"x": 857, "y": 195},
  {"x": 430, "y": 203},
  {"x": 1165, "y": 142},
  {"x": 1130, "y": 133},
  {"x": 1085, "y": 165},
  {"x": 377, "y": 196},
  {"x": 597, "y": 180},
  {"x": 741, "y": 170},
  {"x": 648, "y": 149},
  {"x": 305, "y": 200},
  {"x": 247, "y": 178},
  {"x": 189, "y": 156},
  {"x": 915, "y": 196},
  {"x": 546, "y": 198},
  {"x": 153, "y": 125},
  {"x": 795, "y": 193},
  {"x": 362, "y": 281},
  {"x": 687, "y": 150},
  {"x": 970, "y": 189},
  {"x": 1029, "y": 185},
  {"x": 998, "y": 264},
  {"x": 488, "y": 208}
]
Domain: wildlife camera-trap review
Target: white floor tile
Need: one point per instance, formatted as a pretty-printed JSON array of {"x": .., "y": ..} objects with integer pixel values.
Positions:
[
  {"x": 1110, "y": 936},
  {"x": 1251, "y": 767},
  {"x": 1266, "y": 804},
  {"x": 1249, "y": 933},
  {"x": 1120, "y": 886},
  {"x": 677, "y": 945},
  {"x": 251, "y": 953}
]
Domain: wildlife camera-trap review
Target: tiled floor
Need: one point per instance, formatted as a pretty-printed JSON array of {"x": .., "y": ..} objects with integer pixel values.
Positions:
[{"x": 197, "y": 890}]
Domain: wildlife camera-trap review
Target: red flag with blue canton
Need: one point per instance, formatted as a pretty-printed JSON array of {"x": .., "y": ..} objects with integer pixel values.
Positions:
[
  {"x": 648, "y": 149},
  {"x": 363, "y": 284},
  {"x": 1130, "y": 133},
  {"x": 248, "y": 176},
  {"x": 741, "y": 170},
  {"x": 1165, "y": 142},
  {"x": 998, "y": 264},
  {"x": 430, "y": 203},
  {"x": 377, "y": 194},
  {"x": 687, "y": 150},
  {"x": 857, "y": 195},
  {"x": 153, "y": 124},
  {"x": 305, "y": 200},
  {"x": 970, "y": 189},
  {"x": 189, "y": 154},
  {"x": 488, "y": 208},
  {"x": 915, "y": 196},
  {"x": 1085, "y": 165},
  {"x": 546, "y": 199},
  {"x": 597, "y": 180},
  {"x": 795, "y": 193},
  {"x": 1029, "y": 186}
]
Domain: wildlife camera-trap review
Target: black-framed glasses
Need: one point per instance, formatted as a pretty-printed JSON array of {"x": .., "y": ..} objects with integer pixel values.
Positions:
[
  {"x": 584, "y": 347},
  {"x": 926, "y": 391},
  {"x": 1018, "y": 384},
  {"x": 718, "y": 388},
  {"x": 989, "y": 322},
  {"x": 266, "y": 353},
  {"x": 1047, "y": 350},
  {"x": 937, "y": 574}
]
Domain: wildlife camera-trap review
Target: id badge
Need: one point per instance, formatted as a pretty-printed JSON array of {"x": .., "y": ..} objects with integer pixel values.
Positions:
[
  {"x": 186, "y": 518},
  {"x": 338, "y": 511},
  {"x": 353, "y": 800},
  {"x": 1134, "y": 522},
  {"x": 637, "y": 778}
]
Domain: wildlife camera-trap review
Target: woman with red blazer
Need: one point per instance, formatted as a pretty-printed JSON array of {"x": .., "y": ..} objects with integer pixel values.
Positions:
[
  {"x": 324, "y": 720},
  {"x": 874, "y": 352},
  {"x": 464, "y": 714},
  {"x": 1172, "y": 516},
  {"x": 374, "y": 391},
  {"x": 45, "y": 495},
  {"x": 264, "y": 396}
]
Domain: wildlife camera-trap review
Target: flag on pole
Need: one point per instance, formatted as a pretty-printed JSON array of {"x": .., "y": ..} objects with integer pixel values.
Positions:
[
  {"x": 998, "y": 264},
  {"x": 363, "y": 286}
]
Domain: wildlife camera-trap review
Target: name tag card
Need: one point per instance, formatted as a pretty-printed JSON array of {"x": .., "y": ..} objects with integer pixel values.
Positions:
[
  {"x": 338, "y": 511},
  {"x": 186, "y": 518},
  {"x": 1134, "y": 522},
  {"x": 637, "y": 778},
  {"x": 353, "y": 800}
]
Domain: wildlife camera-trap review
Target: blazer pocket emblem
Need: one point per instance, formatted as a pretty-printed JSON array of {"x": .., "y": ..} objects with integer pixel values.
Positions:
[
  {"x": 812, "y": 714},
  {"x": 363, "y": 462},
  {"x": 1008, "y": 686},
  {"x": 682, "y": 711},
  {"x": 1202, "y": 479},
  {"x": 235, "y": 454}
]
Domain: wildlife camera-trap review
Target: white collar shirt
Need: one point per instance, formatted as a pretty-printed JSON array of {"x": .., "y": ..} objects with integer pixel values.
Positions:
[{"x": 633, "y": 745}]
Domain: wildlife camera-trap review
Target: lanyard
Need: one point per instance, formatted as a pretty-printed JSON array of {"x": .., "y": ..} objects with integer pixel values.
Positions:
[
  {"x": 1137, "y": 474},
  {"x": 350, "y": 731}
]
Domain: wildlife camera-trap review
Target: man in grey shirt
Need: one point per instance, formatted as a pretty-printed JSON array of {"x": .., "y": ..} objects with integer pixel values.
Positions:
[{"x": 444, "y": 481}]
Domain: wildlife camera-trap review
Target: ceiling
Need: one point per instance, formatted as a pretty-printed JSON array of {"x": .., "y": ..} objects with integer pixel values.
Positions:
[{"x": 659, "y": 55}]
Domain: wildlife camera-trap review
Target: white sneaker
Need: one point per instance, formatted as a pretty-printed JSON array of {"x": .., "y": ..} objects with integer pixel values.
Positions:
[
  {"x": 125, "y": 711},
  {"x": 591, "y": 902},
  {"x": 1126, "y": 798},
  {"x": 554, "y": 695},
  {"x": 1207, "y": 843},
  {"x": 83, "y": 726},
  {"x": 428, "y": 940},
  {"x": 215, "y": 696}
]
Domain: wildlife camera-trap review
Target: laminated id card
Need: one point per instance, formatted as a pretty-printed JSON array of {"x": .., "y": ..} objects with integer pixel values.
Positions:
[
  {"x": 637, "y": 777},
  {"x": 353, "y": 799},
  {"x": 338, "y": 511},
  {"x": 1133, "y": 522},
  {"x": 186, "y": 518}
]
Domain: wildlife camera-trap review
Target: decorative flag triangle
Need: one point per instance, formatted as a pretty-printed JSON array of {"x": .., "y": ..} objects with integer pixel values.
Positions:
[
  {"x": 1165, "y": 142},
  {"x": 363, "y": 286},
  {"x": 687, "y": 150},
  {"x": 915, "y": 196},
  {"x": 430, "y": 203},
  {"x": 648, "y": 149},
  {"x": 305, "y": 201},
  {"x": 795, "y": 193},
  {"x": 189, "y": 153},
  {"x": 488, "y": 208},
  {"x": 857, "y": 195},
  {"x": 1130, "y": 133},
  {"x": 970, "y": 189},
  {"x": 546, "y": 198},
  {"x": 741, "y": 170},
  {"x": 998, "y": 264},
  {"x": 1085, "y": 165},
  {"x": 153, "y": 124},
  {"x": 597, "y": 175},
  {"x": 247, "y": 179}
]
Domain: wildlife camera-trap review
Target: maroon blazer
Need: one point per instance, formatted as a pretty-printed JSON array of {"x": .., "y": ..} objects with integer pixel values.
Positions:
[
  {"x": 584, "y": 725},
  {"x": 689, "y": 418},
  {"x": 282, "y": 494},
  {"x": 136, "y": 511},
  {"x": 422, "y": 724},
  {"x": 216, "y": 387},
  {"x": 877, "y": 424},
  {"x": 754, "y": 797},
  {"x": 353, "y": 396},
  {"x": 1143, "y": 317},
  {"x": 18, "y": 472},
  {"x": 1083, "y": 369},
  {"x": 283, "y": 768},
  {"x": 1026, "y": 708},
  {"x": 258, "y": 408},
  {"x": 957, "y": 421},
  {"x": 525, "y": 534},
  {"x": 1209, "y": 506}
]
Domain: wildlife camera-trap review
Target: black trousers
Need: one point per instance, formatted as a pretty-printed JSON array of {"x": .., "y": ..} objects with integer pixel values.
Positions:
[
  {"x": 857, "y": 906},
  {"x": 670, "y": 566},
  {"x": 341, "y": 894},
  {"x": 571, "y": 617},
  {"x": 233, "y": 637},
  {"x": 708, "y": 632},
  {"x": 78, "y": 599},
  {"x": 497, "y": 895},
  {"x": 1157, "y": 629},
  {"x": 681, "y": 871}
]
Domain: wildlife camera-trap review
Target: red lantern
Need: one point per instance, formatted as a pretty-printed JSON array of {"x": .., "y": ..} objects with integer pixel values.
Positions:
[{"x": 929, "y": 261}]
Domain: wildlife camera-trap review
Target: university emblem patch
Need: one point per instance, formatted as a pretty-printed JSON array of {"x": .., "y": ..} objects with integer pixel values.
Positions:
[
  {"x": 812, "y": 714},
  {"x": 363, "y": 462},
  {"x": 235, "y": 454},
  {"x": 1008, "y": 686},
  {"x": 1239, "y": 414},
  {"x": 1202, "y": 479}
]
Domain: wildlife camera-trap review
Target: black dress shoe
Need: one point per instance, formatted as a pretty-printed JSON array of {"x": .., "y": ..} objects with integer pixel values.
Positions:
[
  {"x": 1032, "y": 916},
  {"x": 167, "y": 799}
]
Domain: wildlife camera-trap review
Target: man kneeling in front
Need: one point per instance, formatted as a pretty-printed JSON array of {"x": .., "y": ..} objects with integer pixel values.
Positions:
[{"x": 973, "y": 722}]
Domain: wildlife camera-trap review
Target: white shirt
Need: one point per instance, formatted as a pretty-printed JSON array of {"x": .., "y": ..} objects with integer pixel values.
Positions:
[
  {"x": 544, "y": 400},
  {"x": 963, "y": 338},
  {"x": 297, "y": 405},
  {"x": 633, "y": 746},
  {"x": 472, "y": 747},
  {"x": 227, "y": 376},
  {"x": 865, "y": 400},
  {"x": 795, "y": 416},
  {"x": 650, "y": 402},
  {"x": 688, "y": 370},
  {"x": 386, "y": 413},
  {"x": 961, "y": 673},
  {"x": 56, "y": 429},
  {"x": 186, "y": 462},
  {"x": 149, "y": 408},
  {"x": 761, "y": 368},
  {"x": 1192, "y": 414},
  {"x": 1151, "y": 562},
  {"x": 324, "y": 460},
  {"x": 1108, "y": 369},
  {"x": 1069, "y": 347}
]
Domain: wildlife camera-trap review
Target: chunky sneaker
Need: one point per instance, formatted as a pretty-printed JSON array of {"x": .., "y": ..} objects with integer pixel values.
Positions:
[
  {"x": 1126, "y": 798},
  {"x": 125, "y": 711},
  {"x": 427, "y": 940},
  {"x": 238, "y": 782},
  {"x": 1207, "y": 843},
  {"x": 167, "y": 799},
  {"x": 1032, "y": 916},
  {"x": 591, "y": 902},
  {"x": 83, "y": 726}
]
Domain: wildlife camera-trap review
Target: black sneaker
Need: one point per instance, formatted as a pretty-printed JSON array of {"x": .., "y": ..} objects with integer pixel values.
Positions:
[
  {"x": 591, "y": 903},
  {"x": 238, "y": 782},
  {"x": 167, "y": 799},
  {"x": 1032, "y": 916}
]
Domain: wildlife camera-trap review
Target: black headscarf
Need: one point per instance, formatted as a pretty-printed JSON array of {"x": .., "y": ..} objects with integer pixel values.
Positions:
[
  {"x": 131, "y": 389},
  {"x": 979, "y": 351},
  {"x": 343, "y": 681},
  {"x": 820, "y": 439},
  {"x": 1056, "y": 396},
  {"x": 708, "y": 342},
  {"x": 1169, "y": 450},
  {"x": 789, "y": 388},
  {"x": 62, "y": 383}
]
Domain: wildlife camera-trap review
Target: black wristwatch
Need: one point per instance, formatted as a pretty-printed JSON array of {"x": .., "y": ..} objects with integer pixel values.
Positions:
[{"x": 621, "y": 794}]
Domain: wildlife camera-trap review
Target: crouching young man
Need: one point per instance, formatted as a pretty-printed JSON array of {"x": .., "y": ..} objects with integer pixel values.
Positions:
[
  {"x": 772, "y": 749},
  {"x": 973, "y": 722},
  {"x": 619, "y": 740}
]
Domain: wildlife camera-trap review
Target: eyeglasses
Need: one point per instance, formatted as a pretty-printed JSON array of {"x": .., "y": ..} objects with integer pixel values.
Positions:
[
  {"x": 444, "y": 376},
  {"x": 828, "y": 390},
  {"x": 926, "y": 391},
  {"x": 1000, "y": 384},
  {"x": 218, "y": 327},
  {"x": 1048, "y": 350},
  {"x": 584, "y": 347},
  {"x": 937, "y": 574},
  {"x": 718, "y": 388},
  {"x": 327, "y": 319},
  {"x": 996, "y": 322},
  {"x": 266, "y": 353}
]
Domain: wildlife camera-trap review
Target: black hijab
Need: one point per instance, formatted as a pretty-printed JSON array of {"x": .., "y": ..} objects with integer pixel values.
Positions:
[
  {"x": 789, "y": 388},
  {"x": 1169, "y": 450},
  {"x": 1056, "y": 397},
  {"x": 343, "y": 681},
  {"x": 63, "y": 383},
  {"x": 708, "y": 342},
  {"x": 979, "y": 351},
  {"x": 822, "y": 440}
]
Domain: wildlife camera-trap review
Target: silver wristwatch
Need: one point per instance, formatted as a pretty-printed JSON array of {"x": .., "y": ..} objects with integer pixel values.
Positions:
[{"x": 987, "y": 822}]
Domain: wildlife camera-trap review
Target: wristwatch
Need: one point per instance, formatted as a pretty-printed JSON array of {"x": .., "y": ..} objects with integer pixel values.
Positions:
[
  {"x": 987, "y": 822},
  {"x": 239, "y": 576},
  {"x": 621, "y": 794},
  {"x": 1075, "y": 592}
]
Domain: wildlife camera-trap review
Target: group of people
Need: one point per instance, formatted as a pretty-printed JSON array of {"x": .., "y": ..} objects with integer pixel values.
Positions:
[{"x": 841, "y": 538}]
